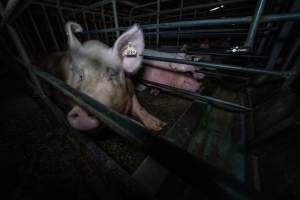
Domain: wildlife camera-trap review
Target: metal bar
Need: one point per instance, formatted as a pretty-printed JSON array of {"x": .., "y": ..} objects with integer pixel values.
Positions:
[
  {"x": 180, "y": 18},
  {"x": 264, "y": 41},
  {"x": 208, "y": 5},
  {"x": 204, "y": 31},
  {"x": 222, "y": 104},
  {"x": 194, "y": 171},
  {"x": 292, "y": 54},
  {"x": 201, "y": 35},
  {"x": 26, "y": 62},
  {"x": 207, "y": 36},
  {"x": 21, "y": 35},
  {"x": 50, "y": 28},
  {"x": 254, "y": 25},
  {"x": 68, "y": 8},
  {"x": 12, "y": 6},
  {"x": 291, "y": 80},
  {"x": 63, "y": 22},
  {"x": 157, "y": 23},
  {"x": 213, "y": 22},
  {"x": 94, "y": 5},
  {"x": 104, "y": 25},
  {"x": 230, "y": 68},
  {"x": 74, "y": 15},
  {"x": 26, "y": 35},
  {"x": 95, "y": 25},
  {"x": 285, "y": 30},
  {"x": 116, "y": 21},
  {"x": 210, "y": 52},
  {"x": 85, "y": 24},
  {"x": 61, "y": 16},
  {"x": 142, "y": 6},
  {"x": 106, "y": 165}
]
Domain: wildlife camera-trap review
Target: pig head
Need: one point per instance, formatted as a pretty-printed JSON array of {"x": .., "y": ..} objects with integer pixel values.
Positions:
[{"x": 99, "y": 71}]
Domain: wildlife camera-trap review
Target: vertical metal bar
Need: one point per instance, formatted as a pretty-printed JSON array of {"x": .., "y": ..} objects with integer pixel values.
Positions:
[
  {"x": 63, "y": 22},
  {"x": 50, "y": 28},
  {"x": 85, "y": 24},
  {"x": 115, "y": 16},
  {"x": 149, "y": 37},
  {"x": 95, "y": 25},
  {"x": 282, "y": 37},
  {"x": 290, "y": 80},
  {"x": 22, "y": 52},
  {"x": 264, "y": 40},
  {"x": 10, "y": 7},
  {"x": 157, "y": 23},
  {"x": 104, "y": 24},
  {"x": 74, "y": 15},
  {"x": 20, "y": 48},
  {"x": 254, "y": 25},
  {"x": 21, "y": 36},
  {"x": 26, "y": 37},
  {"x": 61, "y": 16},
  {"x": 180, "y": 18},
  {"x": 291, "y": 55},
  {"x": 195, "y": 17}
]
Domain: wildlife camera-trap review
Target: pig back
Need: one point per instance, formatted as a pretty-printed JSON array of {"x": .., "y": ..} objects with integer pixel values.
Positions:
[{"x": 56, "y": 64}]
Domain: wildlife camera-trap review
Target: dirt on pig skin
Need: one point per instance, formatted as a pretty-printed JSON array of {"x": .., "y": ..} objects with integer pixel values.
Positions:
[{"x": 39, "y": 161}]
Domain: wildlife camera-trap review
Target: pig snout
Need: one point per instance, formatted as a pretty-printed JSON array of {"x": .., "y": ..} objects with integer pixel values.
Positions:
[{"x": 81, "y": 120}]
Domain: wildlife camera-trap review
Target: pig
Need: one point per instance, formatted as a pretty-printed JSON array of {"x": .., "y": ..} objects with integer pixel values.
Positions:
[
  {"x": 172, "y": 66},
  {"x": 173, "y": 79},
  {"x": 201, "y": 57},
  {"x": 168, "y": 65},
  {"x": 165, "y": 72},
  {"x": 99, "y": 71}
]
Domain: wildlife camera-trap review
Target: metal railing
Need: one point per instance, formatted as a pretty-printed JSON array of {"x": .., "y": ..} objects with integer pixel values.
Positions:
[{"x": 195, "y": 170}]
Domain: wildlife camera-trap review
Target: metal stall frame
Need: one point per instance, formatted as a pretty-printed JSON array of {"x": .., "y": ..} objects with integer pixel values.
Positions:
[
  {"x": 254, "y": 25},
  {"x": 210, "y": 22},
  {"x": 198, "y": 172}
]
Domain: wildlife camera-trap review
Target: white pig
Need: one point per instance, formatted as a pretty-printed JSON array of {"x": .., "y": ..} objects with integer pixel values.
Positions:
[{"x": 99, "y": 71}]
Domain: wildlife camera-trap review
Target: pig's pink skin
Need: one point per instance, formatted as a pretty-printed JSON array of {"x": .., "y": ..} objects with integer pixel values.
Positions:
[
  {"x": 168, "y": 65},
  {"x": 172, "y": 79},
  {"x": 80, "y": 120}
]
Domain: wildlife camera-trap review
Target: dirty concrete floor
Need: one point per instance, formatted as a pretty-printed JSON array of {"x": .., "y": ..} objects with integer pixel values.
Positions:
[{"x": 40, "y": 159}]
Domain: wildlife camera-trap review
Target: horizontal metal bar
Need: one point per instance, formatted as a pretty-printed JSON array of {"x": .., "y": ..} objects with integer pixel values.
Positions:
[
  {"x": 197, "y": 32},
  {"x": 222, "y": 104},
  {"x": 212, "y": 22},
  {"x": 93, "y": 5},
  {"x": 205, "y": 35},
  {"x": 232, "y": 68},
  {"x": 76, "y": 8},
  {"x": 194, "y": 171},
  {"x": 199, "y": 6},
  {"x": 209, "y": 31},
  {"x": 202, "y": 51}
]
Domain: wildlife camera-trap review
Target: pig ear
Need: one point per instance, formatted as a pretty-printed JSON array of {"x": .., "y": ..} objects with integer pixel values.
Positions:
[
  {"x": 133, "y": 36},
  {"x": 73, "y": 42}
]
